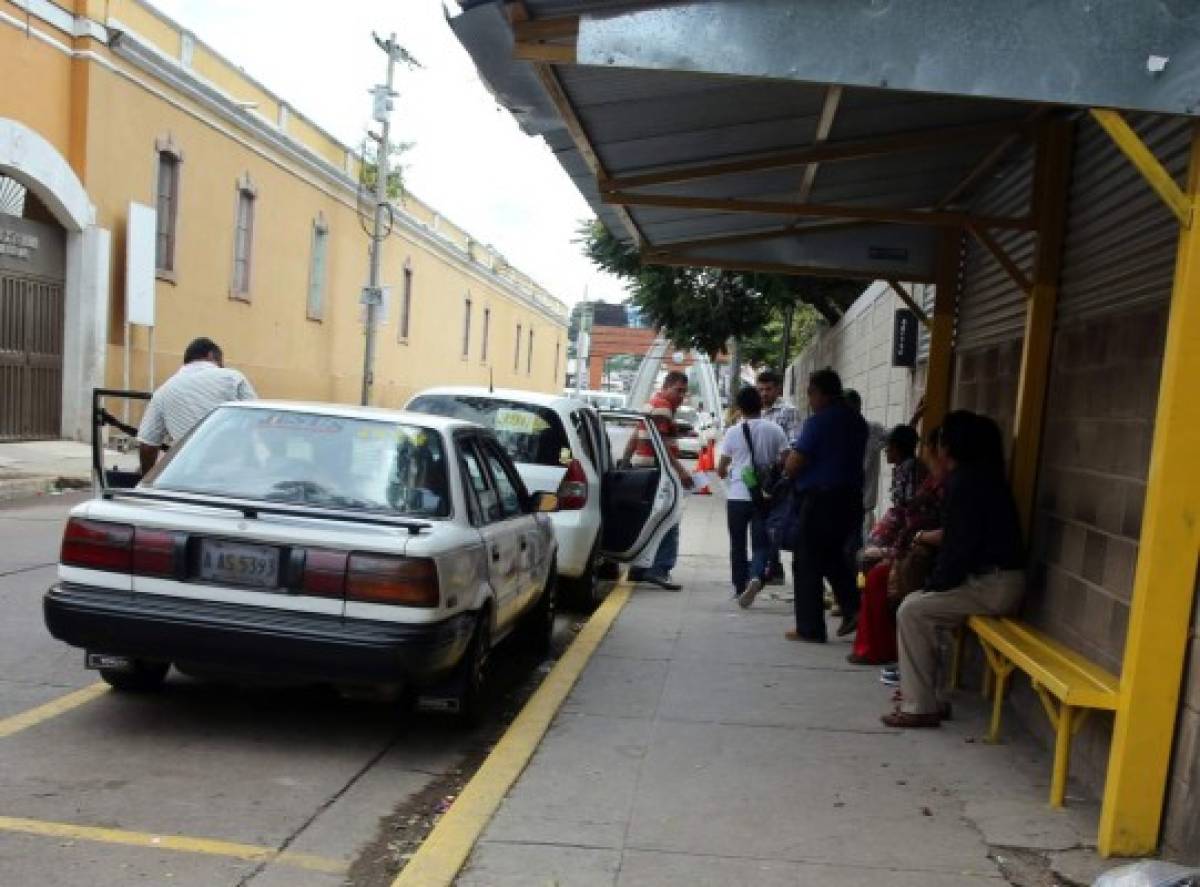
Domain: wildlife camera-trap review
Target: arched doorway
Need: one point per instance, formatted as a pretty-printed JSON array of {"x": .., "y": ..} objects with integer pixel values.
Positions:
[
  {"x": 33, "y": 270},
  {"x": 54, "y": 265}
]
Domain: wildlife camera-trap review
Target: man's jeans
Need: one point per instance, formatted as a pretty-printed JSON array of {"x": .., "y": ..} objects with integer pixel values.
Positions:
[
  {"x": 743, "y": 516},
  {"x": 667, "y": 554}
]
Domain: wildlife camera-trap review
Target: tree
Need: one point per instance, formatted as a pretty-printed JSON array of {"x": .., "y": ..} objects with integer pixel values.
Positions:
[{"x": 706, "y": 307}]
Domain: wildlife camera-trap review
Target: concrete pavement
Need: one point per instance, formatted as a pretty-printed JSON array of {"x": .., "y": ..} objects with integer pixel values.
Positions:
[
  {"x": 700, "y": 747},
  {"x": 33, "y": 468}
]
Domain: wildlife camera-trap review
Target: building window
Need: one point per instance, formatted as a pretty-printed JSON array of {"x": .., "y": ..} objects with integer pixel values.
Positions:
[
  {"x": 466, "y": 338},
  {"x": 167, "y": 207},
  {"x": 557, "y": 355},
  {"x": 243, "y": 238},
  {"x": 529, "y": 354},
  {"x": 517, "y": 350},
  {"x": 487, "y": 326},
  {"x": 316, "y": 268},
  {"x": 405, "y": 300}
]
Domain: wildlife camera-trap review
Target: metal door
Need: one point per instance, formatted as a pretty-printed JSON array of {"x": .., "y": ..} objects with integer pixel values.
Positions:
[{"x": 31, "y": 346}]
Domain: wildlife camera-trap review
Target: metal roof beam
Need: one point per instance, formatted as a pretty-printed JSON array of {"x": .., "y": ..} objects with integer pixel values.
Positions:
[
  {"x": 1109, "y": 54},
  {"x": 1011, "y": 268},
  {"x": 826, "y": 152},
  {"x": 907, "y": 299},
  {"x": 787, "y": 208},
  {"x": 829, "y": 109},
  {"x": 693, "y": 261}
]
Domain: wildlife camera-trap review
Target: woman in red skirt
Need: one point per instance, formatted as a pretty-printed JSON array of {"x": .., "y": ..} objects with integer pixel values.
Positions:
[{"x": 916, "y": 506}]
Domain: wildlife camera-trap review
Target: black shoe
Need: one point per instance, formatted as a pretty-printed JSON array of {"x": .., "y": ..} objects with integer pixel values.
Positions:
[
  {"x": 848, "y": 626},
  {"x": 663, "y": 582}
]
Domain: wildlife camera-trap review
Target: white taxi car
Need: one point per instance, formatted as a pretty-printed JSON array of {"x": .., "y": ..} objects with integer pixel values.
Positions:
[
  {"x": 343, "y": 545},
  {"x": 564, "y": 446}
]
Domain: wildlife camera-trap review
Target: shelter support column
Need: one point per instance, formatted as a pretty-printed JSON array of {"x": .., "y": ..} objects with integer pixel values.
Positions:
[
  {"x": 1165, "y": 578},
  {"x": 1051, "y": 179},
  {"x": 941, "y": 329}
]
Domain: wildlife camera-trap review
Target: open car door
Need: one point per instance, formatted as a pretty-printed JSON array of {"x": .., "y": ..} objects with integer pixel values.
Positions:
[{"x": 640, "y": 496}]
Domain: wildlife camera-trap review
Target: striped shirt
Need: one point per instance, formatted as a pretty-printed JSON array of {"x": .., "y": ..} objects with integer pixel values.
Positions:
[
  {"x": 785, "y": 416},
  {"x": 187, "y": 397}
]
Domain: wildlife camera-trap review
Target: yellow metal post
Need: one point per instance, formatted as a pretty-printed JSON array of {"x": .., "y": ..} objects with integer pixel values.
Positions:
[
  {"x": 1165, "y": 580},
  {"x": 1052, "y": 176},
  {"x": 1143, "y": 159},
  {"x": 1062, "y": 754},
  {"x": 941, "y": 329}
]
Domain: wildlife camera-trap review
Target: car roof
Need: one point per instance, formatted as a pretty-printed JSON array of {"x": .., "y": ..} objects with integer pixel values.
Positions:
[
  {"x": 349, "y": 411},
  {"x": 537, "y": 398}
]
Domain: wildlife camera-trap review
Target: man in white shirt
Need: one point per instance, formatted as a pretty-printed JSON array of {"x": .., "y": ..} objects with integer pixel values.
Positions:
[
  {"x": 738, "y": 464},
  {"x": 197, "y": 388}
]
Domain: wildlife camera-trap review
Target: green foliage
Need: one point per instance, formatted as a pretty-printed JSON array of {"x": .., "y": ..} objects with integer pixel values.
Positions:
[
  {"x": 369, "y": 170},
  {"x": 706, "y": 307}
]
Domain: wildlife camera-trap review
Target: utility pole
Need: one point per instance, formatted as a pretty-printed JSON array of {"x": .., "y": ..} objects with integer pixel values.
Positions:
[
  {"x": 789, "y": 317},
  {"x": 372, "y": 295}
]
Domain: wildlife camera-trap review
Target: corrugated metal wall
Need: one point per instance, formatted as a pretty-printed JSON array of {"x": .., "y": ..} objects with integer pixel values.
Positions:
[
  {"x": 991, "y": 309},
  {"x": 1120, "y": 247}
]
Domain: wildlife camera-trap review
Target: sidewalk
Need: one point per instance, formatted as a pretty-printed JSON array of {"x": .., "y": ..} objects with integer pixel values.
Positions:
[
  {"x": 700, "y": 747},
  {"x": 33, "y": 468}
]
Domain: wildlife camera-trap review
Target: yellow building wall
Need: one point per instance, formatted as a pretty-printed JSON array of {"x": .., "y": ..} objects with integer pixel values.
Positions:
[
  {"x": 268, "y": 336},
  {"x": 35, "y": 82}
]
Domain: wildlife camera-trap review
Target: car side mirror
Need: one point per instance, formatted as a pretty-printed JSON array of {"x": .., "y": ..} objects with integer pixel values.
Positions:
[{"x": 544, "y": 502}]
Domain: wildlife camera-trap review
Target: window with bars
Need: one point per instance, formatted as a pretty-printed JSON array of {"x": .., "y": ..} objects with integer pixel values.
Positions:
[
  {"x": 517, "y": 350},
  {"x": 466, "y": 335},
  {"x": 316, "y": 269},
  {"x": 243, "y": 238},
  {"x": 405, "y": 301},
  {"x": 487, "y": 325},
  {"x": 167, "y": 209},
  {"x": 529, "y": 354}
]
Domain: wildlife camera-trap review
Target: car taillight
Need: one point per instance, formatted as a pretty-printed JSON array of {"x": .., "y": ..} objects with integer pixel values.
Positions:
[
  {"x": 573, "y": 491},
  {"x": 324, "y": 573},
  {"x": 97, "y": 545},
  {"x": 382, "y": 579},
  {"x": 153, "y": 553}
]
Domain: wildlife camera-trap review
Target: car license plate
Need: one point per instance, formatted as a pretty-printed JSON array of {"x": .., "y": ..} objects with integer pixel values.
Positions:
[
  {"x": 231, "y": 563},
  {"x": 108, "y": 662}
]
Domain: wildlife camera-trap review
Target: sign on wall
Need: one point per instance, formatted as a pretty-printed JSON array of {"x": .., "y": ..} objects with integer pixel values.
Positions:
[
  {"x": 904, "y": 338},
  {"x": 139, "y": 265}
]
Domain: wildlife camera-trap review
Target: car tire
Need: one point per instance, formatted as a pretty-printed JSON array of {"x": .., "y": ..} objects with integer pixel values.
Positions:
[
  {"x": 473, "y": 672},
  {"x": 585, "y": 593},
  {"x": 537, "y": 629},
  {"x": 145, "y": 677}
]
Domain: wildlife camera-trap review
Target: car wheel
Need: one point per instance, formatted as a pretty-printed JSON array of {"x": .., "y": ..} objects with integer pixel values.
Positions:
[
  {"x": 586, "y": 592},
  {"x": 473, "y": 674},
  {"x": 537, "y": 632},
  {"x": 145, "y": 676}
]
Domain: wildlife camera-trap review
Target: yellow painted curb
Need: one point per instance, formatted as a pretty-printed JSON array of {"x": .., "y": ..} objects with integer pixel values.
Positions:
[
  {"x": 438, "y": 860},
  {"x": 26, "y": 719},
  {"x": 178, "y": 843}
]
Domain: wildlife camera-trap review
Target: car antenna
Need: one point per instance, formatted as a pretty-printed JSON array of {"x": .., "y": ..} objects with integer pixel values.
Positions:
[{"x": 491, "y": 381}]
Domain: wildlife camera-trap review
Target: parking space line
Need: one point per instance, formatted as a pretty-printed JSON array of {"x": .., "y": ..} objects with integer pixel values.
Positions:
[
  {"x": 179, "y": 843},
  {"x": 438, "y": 860},
  {"x": 52, "y": 709}
]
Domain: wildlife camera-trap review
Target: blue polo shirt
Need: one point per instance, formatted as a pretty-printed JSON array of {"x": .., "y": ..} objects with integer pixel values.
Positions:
[{"x": 833, "y": 443}]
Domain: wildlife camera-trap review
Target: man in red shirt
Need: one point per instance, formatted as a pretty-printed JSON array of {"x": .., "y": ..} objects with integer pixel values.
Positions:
[{"x": 661, "y": 411}]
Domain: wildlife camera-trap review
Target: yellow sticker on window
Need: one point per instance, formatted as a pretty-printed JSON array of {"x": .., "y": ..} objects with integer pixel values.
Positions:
[{"x": 520, "y": 421}]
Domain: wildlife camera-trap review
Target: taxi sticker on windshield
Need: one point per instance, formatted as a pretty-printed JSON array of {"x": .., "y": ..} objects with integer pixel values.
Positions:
[{"x": 520, "y": 421}]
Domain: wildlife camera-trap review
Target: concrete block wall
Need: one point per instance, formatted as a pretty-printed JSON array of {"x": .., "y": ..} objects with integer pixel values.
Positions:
[
  {"x": 985, "y": 381},
  {"x": 859, "y": 348},
  {"x": 1181, "y": 832}
]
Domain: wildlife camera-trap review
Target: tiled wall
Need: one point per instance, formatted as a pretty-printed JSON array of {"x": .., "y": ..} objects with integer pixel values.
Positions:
[{"x": 985, "y": 381}]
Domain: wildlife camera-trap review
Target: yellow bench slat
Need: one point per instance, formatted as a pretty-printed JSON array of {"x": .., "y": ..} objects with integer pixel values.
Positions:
[{"x": 1066, "y": 674}]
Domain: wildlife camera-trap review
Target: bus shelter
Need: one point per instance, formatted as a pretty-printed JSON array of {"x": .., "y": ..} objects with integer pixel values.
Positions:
[{"x": 1037, "y": 163}]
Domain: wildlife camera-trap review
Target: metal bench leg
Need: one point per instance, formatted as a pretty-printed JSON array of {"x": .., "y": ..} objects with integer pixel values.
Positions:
[
  {"x": 1062, "y": 755},
  {"x": 1002, "y": 674}
]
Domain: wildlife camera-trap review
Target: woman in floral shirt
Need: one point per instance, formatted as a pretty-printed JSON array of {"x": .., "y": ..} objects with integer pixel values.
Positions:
[{"x": 916, "y": 505}]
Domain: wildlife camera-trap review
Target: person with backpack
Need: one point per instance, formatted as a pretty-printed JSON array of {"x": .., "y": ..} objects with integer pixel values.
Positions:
[{"x": 749, "y": 454}]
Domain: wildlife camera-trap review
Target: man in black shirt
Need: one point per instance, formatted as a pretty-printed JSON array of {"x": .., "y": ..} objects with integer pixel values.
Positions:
[{"x": 978, "y": 568}]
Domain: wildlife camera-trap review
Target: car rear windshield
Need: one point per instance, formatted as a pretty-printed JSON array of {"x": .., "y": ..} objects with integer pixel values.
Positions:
[
  {"x": 311, "y": 459},
  {"x": 529, "y": 433}
]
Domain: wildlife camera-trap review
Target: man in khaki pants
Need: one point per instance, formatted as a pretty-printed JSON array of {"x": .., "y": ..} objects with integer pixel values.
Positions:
[{"x": 978, "y": 568}]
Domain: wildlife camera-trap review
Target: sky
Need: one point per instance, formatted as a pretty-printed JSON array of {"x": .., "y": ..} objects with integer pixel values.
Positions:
[{"x": 470, "y": 160}]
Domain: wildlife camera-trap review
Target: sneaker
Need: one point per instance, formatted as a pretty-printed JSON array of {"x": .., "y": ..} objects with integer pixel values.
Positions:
[
  {"x": 889, "y": 676},
  {"x": 848, "y": 626},
  {"x": 753, "y": 587},
  {"x": 776, "y": 577},
  {"x": 662, "y": 581}
]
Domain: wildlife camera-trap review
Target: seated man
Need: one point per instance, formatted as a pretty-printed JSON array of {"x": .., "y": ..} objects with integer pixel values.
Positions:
[{"x": 978, "y": 568}]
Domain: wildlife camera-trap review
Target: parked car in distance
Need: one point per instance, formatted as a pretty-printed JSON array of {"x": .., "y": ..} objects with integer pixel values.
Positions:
[
  {"x": 564, "y": 446},
  {"x": 343, "y": 545}
]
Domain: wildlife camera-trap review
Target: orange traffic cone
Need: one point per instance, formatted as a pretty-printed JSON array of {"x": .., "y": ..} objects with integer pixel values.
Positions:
[{"x": 705, "y": 463}]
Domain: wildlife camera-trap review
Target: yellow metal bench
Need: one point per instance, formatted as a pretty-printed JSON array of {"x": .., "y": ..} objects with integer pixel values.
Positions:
[{"x": 1069, "y": 685}]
